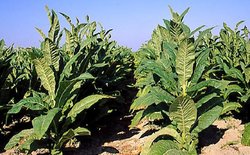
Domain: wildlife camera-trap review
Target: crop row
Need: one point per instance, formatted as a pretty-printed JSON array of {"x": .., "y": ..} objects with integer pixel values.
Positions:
[{"x": 185, "y": 80}]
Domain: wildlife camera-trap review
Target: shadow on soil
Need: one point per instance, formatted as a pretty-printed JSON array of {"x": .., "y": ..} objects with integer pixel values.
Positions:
[
  {"x": 115, "y": 129},
  {"x": 209, "y": 136}
]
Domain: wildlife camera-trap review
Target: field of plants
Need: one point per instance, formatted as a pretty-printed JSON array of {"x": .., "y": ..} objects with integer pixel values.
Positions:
[{"x": 80, "y": 83}]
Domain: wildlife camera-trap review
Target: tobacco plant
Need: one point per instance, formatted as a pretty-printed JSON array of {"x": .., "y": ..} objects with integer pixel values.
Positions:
[
  {"x": 67, "y": 75},
  {"x": 16, "y": 76},
  {"x": 175, "y": 96},
  {"x": 230, "y": 56},
  {"x": 233, "y": 60}
]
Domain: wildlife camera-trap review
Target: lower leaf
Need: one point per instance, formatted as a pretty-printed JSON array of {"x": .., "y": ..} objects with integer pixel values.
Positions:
[
  {"x": 162, "y": 146},
  {"x": 71, "y": 133},
  {"x": 245, "y": 140}
]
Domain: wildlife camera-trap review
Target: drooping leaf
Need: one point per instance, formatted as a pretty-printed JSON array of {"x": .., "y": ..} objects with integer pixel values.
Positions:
[
  {"x": 207, "y": 118},
  {"x": 205, "y": 99},
  {"x": 164, "y": 131},
  {"x": 231, "y": 89},
  {"x": 84, "y": 104},
  {"x": 234, "y": 72},
  {"x": 136, "y": 119},
  {"x": 230, "y": 106},
  {"x": 33, "y": 103},
  {"x": 65, "y": 88},
  {"x": 201, "y": 63},
  {"x": 162, "y": 146},
  {"x": 16, "y": 139},
  {"x": 143, "y": 102},
  {"x": 71, "y": 133},
  {"x": 41, "y": 123},
  {"x": 221, "y": 84}
]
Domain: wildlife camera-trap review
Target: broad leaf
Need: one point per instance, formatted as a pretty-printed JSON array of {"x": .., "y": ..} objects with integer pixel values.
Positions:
[
  {"x": 33, "y": 103},
  {"x": 184, "y": 62},
  {"x": 66, "y": 88},
  {"x": 201, "y": 63},
  {"x": 84, "y": 104},
  {"x": 16, "y": 139},
  {"x": 230, "y": 106},
  {"x": 46, "y": 74},
  {"x": 41, "y": 123},
  {"x": 164, "y": 131},
  {"x": 207, "y": 118},
  {"x": 143, "y": 102},
  {"x": 71, "y": 133},
  {"x": 175, "y": 152},
  {"x": 205, "y": 99},
  {"x": 162, "y": 146},
  {"x": 136, "y": 119},
  {"x": 211, "y": 82},
  {"x": 183, "y": 112}
]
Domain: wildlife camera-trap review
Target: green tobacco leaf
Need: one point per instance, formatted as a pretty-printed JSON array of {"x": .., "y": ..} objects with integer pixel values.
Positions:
[
  {"x": 245, "y": 97},
  {"x": 184, "y": 63},
  {"x": 207, "y": 118},
  {"x": 245, "y": 140},
  {"x": 33, "y": 103},
  {"x": 41, "y": 33},
  {"x": 162, "y": 95},
  {"x": 84, "y": 104},
  {"x": 171, "y": 50},
  {"x": 221, "y": 84},
  {"x": 175, "y": 152},
  {"x": 143, "y": 102},
  {"x": 247, "y": 74},
  {"x": 164, "y": 131},
  {"x": 15, "y": 140},
  {"x": 41, "y": 123},
  {"x": 232, "y": 88},
  {"x": 230, "y": 106},
  {"x": 153, "y": 114},
  {"x": 205, "y": 99},
  {"x": 235, "y": 73},
  {"x": 163, "y": 70},
  {"x": 30, "y": 143},
  {"x": 54, "y": 26},
  {"x": 136, "y": 119},
  {"x": 67, "y": 70},
  {"x": 54, "y": 54},
  {"x": 183, "y": 112},
  {"x": 71, "y": 133},
  {"x": 201, "y": 63},
  {"x": 46, "y": 74},
  {"x": 66, "y": 88},
  {"x": 69, "y": 45},
  {"x": 162, "y": 146}
]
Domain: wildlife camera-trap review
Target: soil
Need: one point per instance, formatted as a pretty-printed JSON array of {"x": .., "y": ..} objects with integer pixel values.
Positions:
[
  {"x": 229, "y": 143},
  {"x": 222, "y": 138}
]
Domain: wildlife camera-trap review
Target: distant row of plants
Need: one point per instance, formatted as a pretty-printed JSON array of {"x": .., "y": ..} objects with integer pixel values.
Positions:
[{"x": 185, "y": 80}]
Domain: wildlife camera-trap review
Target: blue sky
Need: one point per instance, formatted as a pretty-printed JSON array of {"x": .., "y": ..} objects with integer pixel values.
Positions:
[{"x": 132, "y": 21}]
